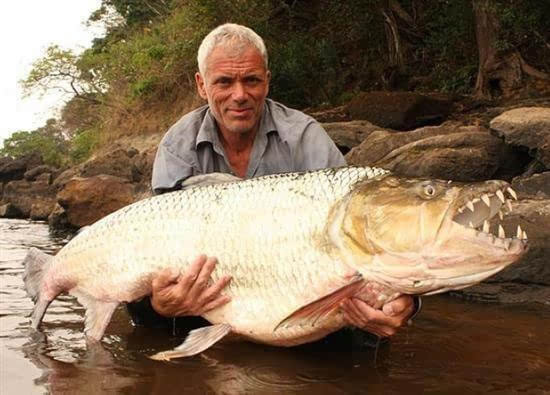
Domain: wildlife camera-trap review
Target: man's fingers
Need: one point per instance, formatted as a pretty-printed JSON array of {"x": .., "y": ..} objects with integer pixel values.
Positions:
[
  {"x": 165, "y": 278},
  {"x": 399, "y": 306},
  {"x": 219, "y": 301},
  {"x": 192, "y": 273},
  {"x": 214, "y": 290},
  {"x": 201, "y": 282}
]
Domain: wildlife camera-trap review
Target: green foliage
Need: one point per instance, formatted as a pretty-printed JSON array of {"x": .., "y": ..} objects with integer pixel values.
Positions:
[
  {"x": 321, "y": 52},
  {"x": 83, "y": 144},
  {"x": 48, "y": 141}
]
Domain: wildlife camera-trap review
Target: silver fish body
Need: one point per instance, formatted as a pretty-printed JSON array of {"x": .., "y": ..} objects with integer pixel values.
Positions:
[{"x": 282, "y": 238}]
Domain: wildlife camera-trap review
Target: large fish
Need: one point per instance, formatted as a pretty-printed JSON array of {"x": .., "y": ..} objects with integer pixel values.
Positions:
[{"x": 296, "y": 245}]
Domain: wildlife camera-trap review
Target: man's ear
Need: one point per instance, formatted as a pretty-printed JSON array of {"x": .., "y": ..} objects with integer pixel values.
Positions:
[{"x": 201, "y": 88}]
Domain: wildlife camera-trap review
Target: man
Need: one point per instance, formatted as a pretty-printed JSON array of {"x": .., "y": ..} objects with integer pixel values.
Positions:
[{"x": 240, "y": 132}]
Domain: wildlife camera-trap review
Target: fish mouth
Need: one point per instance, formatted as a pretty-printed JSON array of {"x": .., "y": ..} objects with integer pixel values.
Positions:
[{"x": 482, "y": 213}]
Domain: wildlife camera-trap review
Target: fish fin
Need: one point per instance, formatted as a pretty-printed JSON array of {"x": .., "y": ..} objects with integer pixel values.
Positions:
[
  {"x": 37, "y": 264},
  {"x": 196, "y": 342},
  {"x": 98, "y": 315},
  {"x": 312, "y": 312},
  {"x": 208, "y": 179}
]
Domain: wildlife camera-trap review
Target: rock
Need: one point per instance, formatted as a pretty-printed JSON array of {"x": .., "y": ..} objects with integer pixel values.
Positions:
[
  {"x": 30, "y": 175},
  {"x": 337, "y": 114},
  {"x": 41, "y": 210},
  {"x": 58, "y": 221},
  {"x": 449, "y": 151},
  {"x": 87, "y": 200},
  {"x": 534, "y": 218},
  {"x": 14, "y": 169},
  {"x": 527, "y": 127},
  {"x": 62, "y": 179},
  {"x": 118, "y": 163},
  {"x": 8, "y": 210},
  {"x": 534, "y": 186},
  {"x": 347, "y": 135},
  {"x": 23, "y": 194},
  {"x": 506, "y": 293},
  {"x": 399, "y": 110}
]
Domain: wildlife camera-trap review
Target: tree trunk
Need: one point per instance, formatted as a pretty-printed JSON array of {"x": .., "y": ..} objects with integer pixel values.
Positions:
[{"x": 499, "y": 73}]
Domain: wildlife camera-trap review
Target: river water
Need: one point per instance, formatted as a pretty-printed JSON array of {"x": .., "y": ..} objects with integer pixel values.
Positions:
[{"x": 454, "y": 346}]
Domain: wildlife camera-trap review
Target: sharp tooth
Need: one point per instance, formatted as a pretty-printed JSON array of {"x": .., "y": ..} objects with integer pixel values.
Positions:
[
  {"x": 486, "y": 226},
  {"x": 500, "y": 195},
  {"x": 512, "y": 192},
  {"x": 500, "y": 215},
  {"x": 461, "y": 210},
  {"x": 519, "y": 232},
  {"x": 486, "y": 200},
  {"x": 470, "y": 224},
  {"x": 509, "y": 205},
  {"x": 470, "y": 205},
  {"x": 501, "y": 233},
  {"x": 524, "y": 236}
]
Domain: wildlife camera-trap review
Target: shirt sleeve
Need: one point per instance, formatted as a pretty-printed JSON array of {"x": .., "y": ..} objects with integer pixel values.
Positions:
[
  {"x": 169, "y": 170},
  {"x": 316, "y": 150}
]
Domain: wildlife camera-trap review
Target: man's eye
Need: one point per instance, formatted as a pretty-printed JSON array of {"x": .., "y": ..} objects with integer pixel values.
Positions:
[{"x": 223, "y": 81}]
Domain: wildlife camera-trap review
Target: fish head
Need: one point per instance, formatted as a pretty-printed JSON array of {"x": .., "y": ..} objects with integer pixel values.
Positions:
[{"x": 426, "y": 236}]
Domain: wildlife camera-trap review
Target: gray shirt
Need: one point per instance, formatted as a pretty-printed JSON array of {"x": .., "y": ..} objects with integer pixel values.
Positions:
[{"x": 287, "y": 140}]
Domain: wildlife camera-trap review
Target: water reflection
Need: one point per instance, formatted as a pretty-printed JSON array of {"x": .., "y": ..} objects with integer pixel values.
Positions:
[{"x": 454, "y": 347}]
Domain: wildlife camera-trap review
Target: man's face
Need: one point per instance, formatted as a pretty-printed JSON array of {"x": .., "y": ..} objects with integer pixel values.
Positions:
[{"x": 236, "y": 85}]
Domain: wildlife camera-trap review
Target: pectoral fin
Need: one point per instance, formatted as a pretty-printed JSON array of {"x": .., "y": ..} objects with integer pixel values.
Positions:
[
  {"x": 197, "y": 341},
  {"x": 312, "y": 312}
]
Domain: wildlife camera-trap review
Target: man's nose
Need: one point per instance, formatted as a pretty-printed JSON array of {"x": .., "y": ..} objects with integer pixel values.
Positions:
[{"x": 239, "y": 92}]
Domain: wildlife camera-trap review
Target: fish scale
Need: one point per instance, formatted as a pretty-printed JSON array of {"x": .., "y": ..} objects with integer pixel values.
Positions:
[
  {"x": 295, "y": 245},
  {"x": 229, "y": 221}
]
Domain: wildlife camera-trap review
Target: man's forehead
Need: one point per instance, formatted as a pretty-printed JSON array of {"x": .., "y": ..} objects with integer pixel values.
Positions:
[{"x": 224, "y": 59}]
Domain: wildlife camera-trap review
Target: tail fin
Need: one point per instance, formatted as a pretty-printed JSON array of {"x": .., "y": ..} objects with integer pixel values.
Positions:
[{"x": 36, "y": 263}]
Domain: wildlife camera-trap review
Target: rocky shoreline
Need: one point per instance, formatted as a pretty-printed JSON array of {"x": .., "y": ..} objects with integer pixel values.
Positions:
[{"x": 389, "y": 129}]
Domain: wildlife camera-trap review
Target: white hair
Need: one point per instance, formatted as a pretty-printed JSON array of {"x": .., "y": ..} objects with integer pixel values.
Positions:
[{"x": 233, "y": 35}]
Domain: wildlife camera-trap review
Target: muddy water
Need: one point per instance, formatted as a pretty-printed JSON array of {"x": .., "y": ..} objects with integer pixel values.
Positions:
[{"x": 454, "y": 346}]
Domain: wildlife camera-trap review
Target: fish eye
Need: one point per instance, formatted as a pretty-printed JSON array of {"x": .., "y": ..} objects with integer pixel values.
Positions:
[{"x": 429, "y": 190}]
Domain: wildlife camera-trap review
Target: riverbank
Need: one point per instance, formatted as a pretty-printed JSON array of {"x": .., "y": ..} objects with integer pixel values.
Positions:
[{"x": 410, "y": 134}]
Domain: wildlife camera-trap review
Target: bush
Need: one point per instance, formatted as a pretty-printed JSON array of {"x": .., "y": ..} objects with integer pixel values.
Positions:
[{"x": 82, "y": 145}]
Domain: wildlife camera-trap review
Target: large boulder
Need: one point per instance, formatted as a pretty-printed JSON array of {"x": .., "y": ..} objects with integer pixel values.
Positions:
[
  {"x": 86, "y": 200},
  {"x": 119, "y": 163},
  {"x": 533, "y": 186},
  {"x": 8, "y": 210},
  {"x": 347, "y": 135},
  {"x": 32, "y": 174},
  {"x": 399, "y": 110},
  {"x": 526, "y": 127},
  {"x": 449, "y": 151},
  {"x": 24, "y": 194}
]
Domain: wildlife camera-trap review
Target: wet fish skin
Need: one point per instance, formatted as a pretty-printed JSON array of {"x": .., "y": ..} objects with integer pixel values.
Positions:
[{"x": 295, "y": 244}]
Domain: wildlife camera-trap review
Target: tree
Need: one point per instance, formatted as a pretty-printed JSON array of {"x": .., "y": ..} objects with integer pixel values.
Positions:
[
  {"x": 501, "y": 70},
  {"x": 67, "y": 72},
  {"x": 48, "y": 140}
]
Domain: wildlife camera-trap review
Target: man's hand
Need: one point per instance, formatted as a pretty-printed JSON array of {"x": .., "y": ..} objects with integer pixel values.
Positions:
[
  {"x": 176, "y": 294},
  {"x": 383, "y": 322}
]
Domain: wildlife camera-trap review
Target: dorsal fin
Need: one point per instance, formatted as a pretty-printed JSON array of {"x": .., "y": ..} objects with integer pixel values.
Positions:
[{"x": 208, "y": 179}]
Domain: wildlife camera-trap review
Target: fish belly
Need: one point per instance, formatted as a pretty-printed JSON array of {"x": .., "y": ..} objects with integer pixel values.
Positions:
[{"x": 268, "y": 233}]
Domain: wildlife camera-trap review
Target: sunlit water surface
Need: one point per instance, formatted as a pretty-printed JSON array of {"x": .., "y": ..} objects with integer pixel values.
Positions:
[{"x": 454, "y": 346}]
